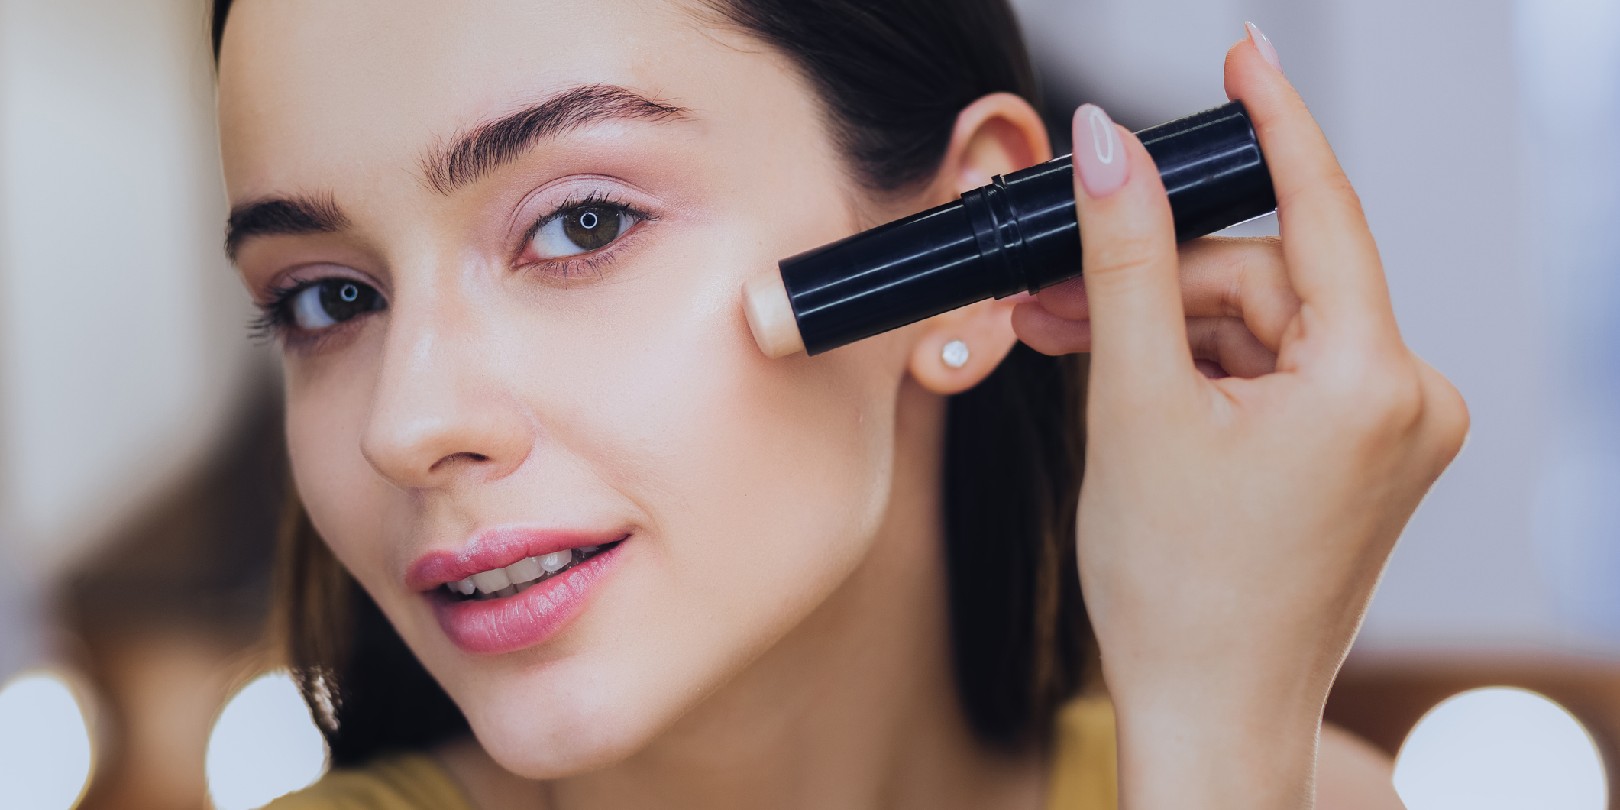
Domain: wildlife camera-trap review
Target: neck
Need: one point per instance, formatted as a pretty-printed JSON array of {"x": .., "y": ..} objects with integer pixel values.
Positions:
[{"x": 856, "y": 708}]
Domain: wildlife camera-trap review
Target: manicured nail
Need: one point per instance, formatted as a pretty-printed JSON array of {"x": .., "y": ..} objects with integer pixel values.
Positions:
[
  {"x": 1262, "y": 43},
  {"x": 1099, "y": 156}
]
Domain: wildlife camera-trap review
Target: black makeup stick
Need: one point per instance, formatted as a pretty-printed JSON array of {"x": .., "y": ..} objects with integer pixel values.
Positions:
[{"x": 1018, "y": 233}]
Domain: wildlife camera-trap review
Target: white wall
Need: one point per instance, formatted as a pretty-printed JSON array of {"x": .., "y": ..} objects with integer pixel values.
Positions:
[{"x": 1571, "y": 80}]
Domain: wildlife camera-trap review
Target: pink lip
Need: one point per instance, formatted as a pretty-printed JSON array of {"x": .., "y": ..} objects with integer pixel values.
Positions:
[
  {"x": 511, "y": 623},
  {"x": 497, "y": 548},
  {"x": 527, "y": 619}
]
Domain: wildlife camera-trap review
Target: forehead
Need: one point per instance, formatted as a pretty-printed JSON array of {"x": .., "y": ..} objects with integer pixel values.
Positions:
[{"x": 316, "y": 87}]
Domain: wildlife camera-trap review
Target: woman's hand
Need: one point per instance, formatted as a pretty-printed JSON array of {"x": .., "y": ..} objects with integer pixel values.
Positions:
[
  {"x": 1233, "y": 291},
  {"x": 1232, "y": 529}
]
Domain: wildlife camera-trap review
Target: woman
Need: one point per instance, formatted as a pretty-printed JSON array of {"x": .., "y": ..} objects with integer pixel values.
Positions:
[{"x": 541, "y": 464}]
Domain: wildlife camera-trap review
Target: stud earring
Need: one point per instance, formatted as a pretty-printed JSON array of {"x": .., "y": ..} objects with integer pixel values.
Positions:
[{"x": 955, "y": 354}]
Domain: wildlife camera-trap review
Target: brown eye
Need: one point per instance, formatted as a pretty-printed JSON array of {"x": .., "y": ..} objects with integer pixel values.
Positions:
[
  {"x": 580, "y": 229},
  {"x": 332, "y": 301},
  {"x": 592, "y": 227}
]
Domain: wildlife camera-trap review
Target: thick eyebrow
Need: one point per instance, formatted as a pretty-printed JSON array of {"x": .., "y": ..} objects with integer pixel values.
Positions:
[
  {"x": 278, "y": 216},
  {"x": 485, "y": 147}
]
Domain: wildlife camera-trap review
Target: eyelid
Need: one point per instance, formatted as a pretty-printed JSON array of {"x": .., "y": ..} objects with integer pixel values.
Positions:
[
  {"x": 593, "y": 198},
  {"x": 310, "y": 273},
  {"x": 603, "y": 254},
  {"x": 272, "y": 324},
  {"x": 551, "y": 197}
]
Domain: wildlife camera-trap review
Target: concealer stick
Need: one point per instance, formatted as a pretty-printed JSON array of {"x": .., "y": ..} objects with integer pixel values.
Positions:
[{"x": 1018, "y": 233}]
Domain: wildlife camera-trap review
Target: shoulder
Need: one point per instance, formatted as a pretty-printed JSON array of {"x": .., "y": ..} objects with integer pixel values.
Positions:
[
  {"x": 1085, "y": 760},
  {"x": 403, "y": 781},
  {"x": 1351, "y": 774}
]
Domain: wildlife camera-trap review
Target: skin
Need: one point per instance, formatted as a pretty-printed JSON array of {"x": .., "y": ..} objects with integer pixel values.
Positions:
[{"x": 772, "y": 635}]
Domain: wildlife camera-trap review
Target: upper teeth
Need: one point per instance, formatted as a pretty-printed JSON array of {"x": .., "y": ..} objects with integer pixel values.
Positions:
[{"x": 523, "y": 572}]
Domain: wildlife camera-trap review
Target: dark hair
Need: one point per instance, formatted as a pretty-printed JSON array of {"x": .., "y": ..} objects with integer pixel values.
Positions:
[{"x": 892, "y": 76}]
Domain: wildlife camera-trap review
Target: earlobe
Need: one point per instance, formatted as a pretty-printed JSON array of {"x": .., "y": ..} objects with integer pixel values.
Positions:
[{"x": 959, "y": 349}]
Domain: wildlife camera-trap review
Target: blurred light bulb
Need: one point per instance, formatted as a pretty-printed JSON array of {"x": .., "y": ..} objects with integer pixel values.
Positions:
[
  {"x": 1500, "y": 748},
  {"x": 263, "y": 746},
  {"x": 44, "y": 743}
]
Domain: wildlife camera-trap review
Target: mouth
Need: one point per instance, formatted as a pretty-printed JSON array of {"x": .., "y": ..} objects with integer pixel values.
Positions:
[
  {"x": 514, "y": 587},
  {"x": 511, "y": 580}
]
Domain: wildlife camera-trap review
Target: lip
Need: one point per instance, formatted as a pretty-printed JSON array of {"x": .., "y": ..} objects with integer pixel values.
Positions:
[
  {"x": 528, "y": 619},
  {"x": 498, "y": 548}
]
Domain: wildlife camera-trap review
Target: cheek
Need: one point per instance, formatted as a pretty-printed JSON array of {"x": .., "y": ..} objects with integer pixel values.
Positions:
[
  {"x": 771, "y": 475},
  {"x": 761, "y": 485},
  {"x": 345, "y": 498}
]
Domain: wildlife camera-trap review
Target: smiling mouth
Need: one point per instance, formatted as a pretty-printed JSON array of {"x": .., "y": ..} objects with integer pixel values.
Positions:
[{"x": 522, "y": 575}]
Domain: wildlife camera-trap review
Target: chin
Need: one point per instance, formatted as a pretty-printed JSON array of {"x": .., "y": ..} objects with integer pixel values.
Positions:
[{"x": 558, "y": 729}]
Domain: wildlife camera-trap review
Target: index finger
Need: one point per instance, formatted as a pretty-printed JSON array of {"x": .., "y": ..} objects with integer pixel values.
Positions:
[{"x": 1331, "y": 257}]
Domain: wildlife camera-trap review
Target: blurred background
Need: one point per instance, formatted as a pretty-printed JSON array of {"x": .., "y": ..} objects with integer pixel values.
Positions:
[{"x": 141, "y": 470}]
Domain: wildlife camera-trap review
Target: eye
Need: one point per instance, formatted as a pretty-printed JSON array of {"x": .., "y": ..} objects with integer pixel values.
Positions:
[
  {"x": 326, "y": 303},
  {"x": 581, "y": 228}
]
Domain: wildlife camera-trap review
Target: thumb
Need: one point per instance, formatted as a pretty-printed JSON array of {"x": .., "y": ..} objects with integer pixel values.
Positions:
[{"x": 1128, "y": 250}]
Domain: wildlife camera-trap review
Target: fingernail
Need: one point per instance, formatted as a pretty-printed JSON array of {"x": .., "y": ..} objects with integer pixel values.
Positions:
[
  {"x": 1262, "y": 43},
  {"x": 1102, "y": 165}
]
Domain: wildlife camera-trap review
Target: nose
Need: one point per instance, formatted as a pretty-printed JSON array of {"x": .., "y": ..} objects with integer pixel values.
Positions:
[{"x": 440, "y": 413}]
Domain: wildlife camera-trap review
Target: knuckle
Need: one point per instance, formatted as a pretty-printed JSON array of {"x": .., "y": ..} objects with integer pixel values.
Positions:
[
  {"x": 1230, "y": 276},
  {"x": 1448, "y": 415},
  {"x": 1397, "y": 403},
  {"x": 1381, "y": 392}
]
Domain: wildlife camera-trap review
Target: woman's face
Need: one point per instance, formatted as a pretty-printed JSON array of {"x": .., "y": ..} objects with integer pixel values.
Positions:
[{"x": 509, "y": 239}]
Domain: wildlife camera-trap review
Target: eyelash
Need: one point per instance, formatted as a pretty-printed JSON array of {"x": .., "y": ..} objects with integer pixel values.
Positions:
[
  {"x": 276, "y": 322},
  {"x": 573, "y": 267}
]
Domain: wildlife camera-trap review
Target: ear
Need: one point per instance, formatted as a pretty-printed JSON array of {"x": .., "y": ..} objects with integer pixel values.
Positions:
[{"x": 998, "y": 134}]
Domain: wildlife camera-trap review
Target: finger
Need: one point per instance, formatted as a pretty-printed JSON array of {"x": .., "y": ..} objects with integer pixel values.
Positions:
[
  {"x": 1239, "y": 278},
  {"x": 1229, "y": 343},
  {"x": 1223, "y": 342},
  {"x": 1049, "y": 334},
  {"x": 1067, "y": 299},
  {"x": 1220, "y": 277},
  {"x": 1331, "y": 257},
  {"x": 1128, "y": 249}
]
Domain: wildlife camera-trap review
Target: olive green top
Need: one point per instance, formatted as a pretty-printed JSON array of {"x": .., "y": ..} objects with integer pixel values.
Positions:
[{"x": 1083, "y": 774}]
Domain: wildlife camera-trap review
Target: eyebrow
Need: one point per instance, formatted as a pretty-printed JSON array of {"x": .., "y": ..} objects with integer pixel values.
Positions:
[
  {"x": 486, "y": 147},
  {"x": 281, "y": 216},
  {"x": 467, "y": 158}
]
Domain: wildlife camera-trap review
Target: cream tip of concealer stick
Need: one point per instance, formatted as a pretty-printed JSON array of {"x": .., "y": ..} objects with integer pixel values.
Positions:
[{"x": 770, "y": 316}]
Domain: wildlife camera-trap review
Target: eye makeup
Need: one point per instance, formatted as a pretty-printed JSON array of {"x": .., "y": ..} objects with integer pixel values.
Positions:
[
  {"x": 594, "y": 227},
  {"x": 581, "y": 235},
  {"x": 292, "y": 306}
]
